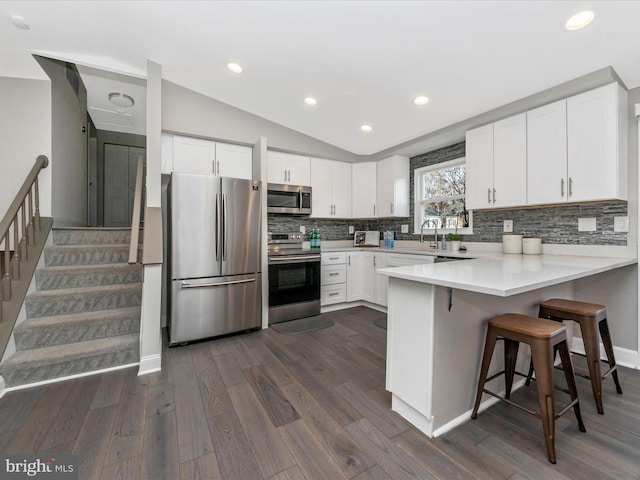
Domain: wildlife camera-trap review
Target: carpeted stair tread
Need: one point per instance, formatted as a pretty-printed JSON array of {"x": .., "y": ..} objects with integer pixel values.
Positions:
[
  {"x": 78, "y": 327},
  {"x": 58, "y": 255},
  {"x": 84, "y": 236},
  {"x": 48, "y": 363},
  {"x": 83, "y": 299},
  {"x": 73, "y": 276}
]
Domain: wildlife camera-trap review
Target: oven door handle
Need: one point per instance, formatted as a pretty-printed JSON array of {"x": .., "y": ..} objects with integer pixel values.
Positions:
[
  {"x": 295, "y": 259},
  {"x": 220, "y": 284}
]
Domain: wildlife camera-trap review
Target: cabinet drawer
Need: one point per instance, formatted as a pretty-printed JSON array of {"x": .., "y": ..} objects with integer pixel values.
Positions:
[
  {"x": 334, "y": 258},
  {"x": 332, "y": 274},
  {"x": 330, "y": 294}
]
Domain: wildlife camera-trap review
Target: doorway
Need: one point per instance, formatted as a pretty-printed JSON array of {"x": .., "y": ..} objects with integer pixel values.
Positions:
[{"x": 120, "y": 168}]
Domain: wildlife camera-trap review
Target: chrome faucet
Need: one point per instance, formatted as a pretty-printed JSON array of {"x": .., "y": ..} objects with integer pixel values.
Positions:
[{"x": 433, "y": 222}]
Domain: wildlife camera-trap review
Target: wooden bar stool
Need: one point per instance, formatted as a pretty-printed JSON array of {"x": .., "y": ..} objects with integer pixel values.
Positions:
[
  {"x": 544, "y": 337},
  {"x": 588, "y": 315}
]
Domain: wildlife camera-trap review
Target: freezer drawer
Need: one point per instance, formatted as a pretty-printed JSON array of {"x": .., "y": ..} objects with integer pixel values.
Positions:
[{"x": 208, "y": 307}]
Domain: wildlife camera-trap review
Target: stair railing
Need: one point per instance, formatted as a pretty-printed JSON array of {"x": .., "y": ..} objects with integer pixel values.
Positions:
[
  {"x": 19, "y": 228},
  {"x": 152, "y": 234},
  {"x": 135, "y": 217}
]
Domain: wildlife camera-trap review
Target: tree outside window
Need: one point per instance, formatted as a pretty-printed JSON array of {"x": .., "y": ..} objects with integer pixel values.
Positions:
[{"x": 440, "y": 197}]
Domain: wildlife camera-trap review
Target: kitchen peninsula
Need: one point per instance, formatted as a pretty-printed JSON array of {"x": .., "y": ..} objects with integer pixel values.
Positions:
[{"x": 437, "y": 316}]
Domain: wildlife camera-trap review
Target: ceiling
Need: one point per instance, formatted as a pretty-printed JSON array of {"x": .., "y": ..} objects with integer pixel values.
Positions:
[{"x": 364, "y": 61}]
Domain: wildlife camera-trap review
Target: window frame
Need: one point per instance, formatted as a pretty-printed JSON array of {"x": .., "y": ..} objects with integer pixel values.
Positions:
[{"x": 417, "y": 195}]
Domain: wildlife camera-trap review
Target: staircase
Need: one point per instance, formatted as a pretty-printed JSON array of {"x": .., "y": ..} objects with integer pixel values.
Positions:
[{"x": 85, "y": 313}]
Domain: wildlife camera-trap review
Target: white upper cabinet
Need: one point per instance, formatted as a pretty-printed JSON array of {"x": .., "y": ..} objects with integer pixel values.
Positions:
[
  {"x": 597, "y": 144},
  {"x": 392, "y": 187},
  {"x": 205, "y": 157},
  {"x": 194, "y": 155},
  {"x": 496, "y": 163},
  {"x": 547, "y": 154},
  {"x": 479, "y": 167},
  {"x": 287, "y": 168},
  {"x": 510, "y": 162},
  {"x": 363, "y": 176},
  {"x": 331, "y": 185},
  {"x": 234, "y": 160},
  {"x": 573, "y": 150}
]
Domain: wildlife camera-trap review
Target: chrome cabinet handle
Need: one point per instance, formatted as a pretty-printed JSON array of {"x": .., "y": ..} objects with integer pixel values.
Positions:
[
  {"x": 213, "y": 167},
  {"x": 333, "y": 274},
  {"x": 570, "y": 186},
  {"x": 374, "y": 260},
  {"x": 285, "y": 176},
  {"x": 374, "y": 209},
  {"x": 488, "y": 195},
  {"x": 494, "y": 195},
  {"x": 349, "y": 260},
  {"x": 391, "y": 207},
  {"x": 562, "y": 187},
  {"x": 333, "y": 294}
]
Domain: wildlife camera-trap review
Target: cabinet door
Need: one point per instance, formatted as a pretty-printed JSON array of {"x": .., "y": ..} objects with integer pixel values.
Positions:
[
  {"x": 547, "y": 154},
  {"x": 354, "y": 276},
  {"x": 380, "y": 281},
  {"x": 298, "y": 170},
  {"x": 593, "y": 150},
  {"x": 392, "y": 187},
  {"x": 341, "y": 189},
  {"x": 276, "y": 167},
  {"x": 363, "y": 180},
  {"x": 510, "y": 161},
  {"x": 479, "y": 166},
  {"x": 385, "y": 173},
  {"x": 367, "y": 275},
  {"x": 166, "y": 153},
  {"x": 193, "y": 155},
  {"x": 234, "y": 160},
  {"x": 321, "y": 200}
]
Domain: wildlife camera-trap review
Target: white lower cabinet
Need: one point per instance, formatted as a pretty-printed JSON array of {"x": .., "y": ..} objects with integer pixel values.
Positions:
[
  {"x": 333, "y": 278},
  {"x": 363, "y": 282}
]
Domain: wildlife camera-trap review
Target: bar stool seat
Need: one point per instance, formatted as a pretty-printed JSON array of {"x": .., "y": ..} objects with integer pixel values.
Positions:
[
  {"x": 543, "y": 337},
  {"x": 587, "y": 315}
]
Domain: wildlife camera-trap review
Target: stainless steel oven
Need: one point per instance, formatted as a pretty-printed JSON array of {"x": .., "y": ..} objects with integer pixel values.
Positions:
[{"x": 294, "y": 278}]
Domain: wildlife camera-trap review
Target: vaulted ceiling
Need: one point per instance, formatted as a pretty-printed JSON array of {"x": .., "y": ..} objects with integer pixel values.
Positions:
[{"x": 363, "y": 61}]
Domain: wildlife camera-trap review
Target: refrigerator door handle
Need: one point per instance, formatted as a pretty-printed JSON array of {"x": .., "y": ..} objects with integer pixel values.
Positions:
[
  {"x": 220, "y": 284},
  {"x": 224, "y": 227},
  {"x": 218, "y": 227}
]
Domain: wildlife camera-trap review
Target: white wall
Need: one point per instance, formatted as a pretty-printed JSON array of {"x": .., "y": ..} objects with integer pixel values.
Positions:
[
  {"x": 190, "y": 113},
  {"x": 25, "y": 133}
]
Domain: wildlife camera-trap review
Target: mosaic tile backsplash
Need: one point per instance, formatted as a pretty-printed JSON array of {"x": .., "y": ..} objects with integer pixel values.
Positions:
[{"x": 555, "y": 224}]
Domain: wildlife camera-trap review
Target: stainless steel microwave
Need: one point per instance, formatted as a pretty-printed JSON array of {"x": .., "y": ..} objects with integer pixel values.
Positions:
[{"x": 289, "y": 199}]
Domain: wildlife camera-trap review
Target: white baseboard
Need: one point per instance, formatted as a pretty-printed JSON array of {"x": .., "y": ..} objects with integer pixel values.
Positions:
[
  {"x": 150, "y": 364},
  {"x": 624, "y": 356}
]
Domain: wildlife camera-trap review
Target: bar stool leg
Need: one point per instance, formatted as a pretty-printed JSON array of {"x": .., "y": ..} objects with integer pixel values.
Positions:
[
  {"x": 608, "y": 347},
  {"x": 489, "y": 345},
  {"x": 510, "y": 357},
  {"x": 592, "y": 351},
  {"x": 567, "y": 367},
  {"x": 541, "y": 354}
]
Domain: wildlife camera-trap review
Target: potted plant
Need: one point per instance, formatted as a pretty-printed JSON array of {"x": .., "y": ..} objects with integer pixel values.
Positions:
[{"x": 455, "y": 238}]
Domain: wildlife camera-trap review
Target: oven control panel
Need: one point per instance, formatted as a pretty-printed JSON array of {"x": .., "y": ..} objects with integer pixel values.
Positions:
[{"x": 294, "y": 237}]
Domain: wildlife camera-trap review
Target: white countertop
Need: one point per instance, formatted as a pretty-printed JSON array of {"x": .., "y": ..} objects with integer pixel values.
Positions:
[{"x": 506, "y": 274}]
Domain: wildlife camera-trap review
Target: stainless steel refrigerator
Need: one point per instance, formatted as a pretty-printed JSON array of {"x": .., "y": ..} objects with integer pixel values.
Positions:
[{"x": 214, "y": 250}]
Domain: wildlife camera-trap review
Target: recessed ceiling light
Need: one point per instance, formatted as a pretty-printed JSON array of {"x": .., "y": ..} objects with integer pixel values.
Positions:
[
  {"x": 310, "y": 101},
  {"x": 121, "y": 99},
  {"x": 579, "y": 20},
  {"x": 234, "y": 67},
  {"x": 421, "y": 100},
  {"x": 366, "y": 128},
  {"x": 19, "y": 22}
]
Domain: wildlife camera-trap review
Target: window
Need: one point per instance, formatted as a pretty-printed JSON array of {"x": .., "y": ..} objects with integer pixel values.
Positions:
[{"x": 440, "y": 198}]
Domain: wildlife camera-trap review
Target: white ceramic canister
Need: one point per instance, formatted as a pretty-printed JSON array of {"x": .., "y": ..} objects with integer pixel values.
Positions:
[
  {"x": 512, "y": 243},
  {"x": 532, "y": 245}
]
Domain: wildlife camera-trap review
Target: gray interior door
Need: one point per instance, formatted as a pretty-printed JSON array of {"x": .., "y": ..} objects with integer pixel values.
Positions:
[{"x": 120, "y": 166}]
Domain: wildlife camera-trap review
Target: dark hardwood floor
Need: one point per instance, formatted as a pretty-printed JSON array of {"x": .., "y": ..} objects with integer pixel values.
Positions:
[{"x": 312, "y": 406}]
